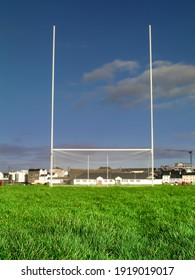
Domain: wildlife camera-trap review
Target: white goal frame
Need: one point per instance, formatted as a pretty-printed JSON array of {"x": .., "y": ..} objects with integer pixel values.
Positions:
[{"x": 52, "y": 149}]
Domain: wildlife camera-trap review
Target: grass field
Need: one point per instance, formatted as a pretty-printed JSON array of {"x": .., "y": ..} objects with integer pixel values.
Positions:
[{"x": 39, "y": 222}]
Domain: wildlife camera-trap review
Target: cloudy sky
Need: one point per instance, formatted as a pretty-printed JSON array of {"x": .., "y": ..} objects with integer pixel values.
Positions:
[{"x": 102, "y": 94}]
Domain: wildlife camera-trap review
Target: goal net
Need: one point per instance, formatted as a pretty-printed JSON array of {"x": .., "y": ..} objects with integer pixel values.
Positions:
[{"x": 104, "y": 166}]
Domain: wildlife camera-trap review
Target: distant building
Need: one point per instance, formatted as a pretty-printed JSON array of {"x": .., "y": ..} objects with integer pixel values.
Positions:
[
  {"x": 35, "y": 174},
  {"x": 60, "y": 171},
  {"x": 18, "y": 176},
  {"x": 1, "y": 176},
  {"x": 188, "y": 178},
  {"x": 41, "y": 176},
  {"x": 4, "y": 178},
  {"x": 56, "y": 180},
  {"x": 113, "y": 177}
]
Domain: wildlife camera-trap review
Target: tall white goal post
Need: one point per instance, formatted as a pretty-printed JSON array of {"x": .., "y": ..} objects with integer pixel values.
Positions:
[
  {"x": 106, "y": 150},
  {"x": 151, "y": 105},
  {"x": 52, "y": 107}
]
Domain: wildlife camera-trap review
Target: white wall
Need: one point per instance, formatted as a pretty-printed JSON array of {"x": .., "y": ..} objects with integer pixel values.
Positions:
[
  {"x": 18, "y": 176},
  {"x": 84, "y": 182},
  {"x": 141, "y": 182},
  {"x": 100, "y": 181},
  {"x": 43, "y": 172}
]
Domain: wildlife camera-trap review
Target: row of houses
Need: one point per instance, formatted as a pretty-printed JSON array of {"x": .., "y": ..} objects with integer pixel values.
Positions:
[
  {"x": 101, "y": 176},
  {"x": 34, "y": 176}
]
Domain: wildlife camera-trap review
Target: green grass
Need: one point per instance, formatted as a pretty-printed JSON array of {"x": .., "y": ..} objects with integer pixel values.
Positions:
[{"x": 39, "y": 222}]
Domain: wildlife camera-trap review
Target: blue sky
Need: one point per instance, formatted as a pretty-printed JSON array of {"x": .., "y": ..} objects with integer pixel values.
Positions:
[{"x": 101, "y": 77}]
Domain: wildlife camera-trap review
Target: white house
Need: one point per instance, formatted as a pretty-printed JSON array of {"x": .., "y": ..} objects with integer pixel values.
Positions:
[
  {"x": 1, "y": 176},
  {"x": 188, "y": 178},
  {"x": 166, "y": 179},
  {"x": 56, "y": 180},
  {"x": 18, "y": 176},
  {"x": 35, "y": 174}
]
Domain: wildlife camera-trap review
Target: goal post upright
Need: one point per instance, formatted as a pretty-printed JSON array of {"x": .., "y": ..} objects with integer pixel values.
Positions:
[
  {"x": 52, "y": 108},
  {"x": 151, "y": 105}
]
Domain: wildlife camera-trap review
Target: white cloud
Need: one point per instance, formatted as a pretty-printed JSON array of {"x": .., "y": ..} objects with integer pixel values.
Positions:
[
  {"x": 171, "y": 83},
  {"x": 174, "y": 80},
  {"x": 160, "y": 63},
  {"x": 128, "y": 91},
  {"x": 107, "y": 71}
]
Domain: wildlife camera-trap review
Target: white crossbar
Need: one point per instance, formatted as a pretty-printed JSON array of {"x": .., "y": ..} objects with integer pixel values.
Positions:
[{"x": 102, "y": 150}]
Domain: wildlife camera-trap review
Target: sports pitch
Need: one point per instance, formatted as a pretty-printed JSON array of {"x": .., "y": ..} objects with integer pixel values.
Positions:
[{"x": 91, "y": 223}]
